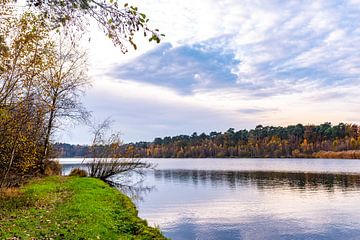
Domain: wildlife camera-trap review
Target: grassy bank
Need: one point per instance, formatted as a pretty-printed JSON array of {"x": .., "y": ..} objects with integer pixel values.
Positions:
[{"x": 70, "y": 208}]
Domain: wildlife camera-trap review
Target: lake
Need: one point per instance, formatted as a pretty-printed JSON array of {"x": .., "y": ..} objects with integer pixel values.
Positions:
[{"x": 249, "y": 198}]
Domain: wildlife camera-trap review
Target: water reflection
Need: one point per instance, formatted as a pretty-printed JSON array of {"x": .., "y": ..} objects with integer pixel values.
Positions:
[
  {"x": 262, "y": 180},
  {"x": 207, "y": 204},
  {"x": 130, "y": 185}
]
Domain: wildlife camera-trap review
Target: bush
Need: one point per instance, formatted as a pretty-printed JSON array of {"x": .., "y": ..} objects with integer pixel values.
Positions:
[
  {"x": 106, "y": 156},
  {"x": 78, "y": 172},
  {"x": 52, "y": 168},
  {"x": 104, "y": 169}
]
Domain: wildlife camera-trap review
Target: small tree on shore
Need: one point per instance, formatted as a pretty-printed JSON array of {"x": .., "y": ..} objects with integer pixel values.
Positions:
[{"x": 106, "y": 158}]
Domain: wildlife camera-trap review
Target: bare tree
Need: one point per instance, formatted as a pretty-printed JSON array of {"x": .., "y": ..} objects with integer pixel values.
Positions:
[
  {"x": 106, "y": 156},
  {"x": 61, "y": 86}
]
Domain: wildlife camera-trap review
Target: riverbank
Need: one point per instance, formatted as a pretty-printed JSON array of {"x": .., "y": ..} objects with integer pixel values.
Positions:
[
  {"x": 349, "y": 154},
  {"x": 70, "y": 208}
]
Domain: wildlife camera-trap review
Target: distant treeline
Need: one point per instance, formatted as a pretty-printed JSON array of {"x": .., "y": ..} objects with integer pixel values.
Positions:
[{"x": 324, "y": 140}]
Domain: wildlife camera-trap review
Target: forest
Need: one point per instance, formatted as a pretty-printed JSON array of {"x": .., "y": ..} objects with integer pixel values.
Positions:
[{"x": 298, "y": 141}]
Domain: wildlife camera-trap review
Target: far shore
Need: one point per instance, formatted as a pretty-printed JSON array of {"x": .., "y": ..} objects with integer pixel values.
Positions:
[{"x": 343, "y": 155}]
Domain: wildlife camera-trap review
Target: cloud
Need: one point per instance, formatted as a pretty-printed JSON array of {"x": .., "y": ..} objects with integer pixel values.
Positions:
[
  {"x": 143, "y": 111},
  {"x": 273, "y": 47},
  {"x": 257, "y": 110},
  {"x": 184, "y": 68},
  {"x": 307, "y": 41}
]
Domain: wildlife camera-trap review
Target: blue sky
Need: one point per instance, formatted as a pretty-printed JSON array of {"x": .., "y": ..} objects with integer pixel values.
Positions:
[{"x": 229, "y": 64}]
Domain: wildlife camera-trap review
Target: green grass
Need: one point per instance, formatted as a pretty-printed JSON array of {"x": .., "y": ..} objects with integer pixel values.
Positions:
[{"x": 70, "y": 208}]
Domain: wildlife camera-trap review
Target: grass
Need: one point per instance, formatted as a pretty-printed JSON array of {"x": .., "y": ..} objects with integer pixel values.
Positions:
[{"x": 70, "y": 208}]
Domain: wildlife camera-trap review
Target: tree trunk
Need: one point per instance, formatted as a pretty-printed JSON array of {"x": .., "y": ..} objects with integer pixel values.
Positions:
[
  {"x": 47, "y": 136},
  {"x": 10, "y": 164}
]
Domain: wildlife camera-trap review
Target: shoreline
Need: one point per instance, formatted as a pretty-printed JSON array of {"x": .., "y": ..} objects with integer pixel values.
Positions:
[
  {"x": 70, "y": 208},
  {"x": 347, "y": 154}
]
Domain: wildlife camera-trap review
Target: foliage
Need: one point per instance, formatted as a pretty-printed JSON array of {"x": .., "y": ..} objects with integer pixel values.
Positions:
[
  {"x": 52, "y": 167},
  {"x": 78, "y": 172},
  {"x": 263, "y": 141},
  {"x": 40, "y": 83},
  {"x": 65, "y": 208},
  {"x": 349, "y": 154},
  {"x": 22, "y": 116},
  {"x": 120, "y": 22}
]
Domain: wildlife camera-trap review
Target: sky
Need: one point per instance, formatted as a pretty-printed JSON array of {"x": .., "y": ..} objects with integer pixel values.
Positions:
[{"x": 227, "y": 63}]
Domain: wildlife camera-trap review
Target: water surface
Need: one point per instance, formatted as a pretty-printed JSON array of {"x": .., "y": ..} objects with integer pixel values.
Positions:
[{"x": 252, "y": 198}]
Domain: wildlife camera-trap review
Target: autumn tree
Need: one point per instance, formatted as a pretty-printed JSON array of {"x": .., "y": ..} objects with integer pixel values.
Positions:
[
  {"x": 263, "y": 141},
  {"x": 61, "y": 85},
  {"x": 24, "y": 40},
  {"x": 41, "y": 81}
]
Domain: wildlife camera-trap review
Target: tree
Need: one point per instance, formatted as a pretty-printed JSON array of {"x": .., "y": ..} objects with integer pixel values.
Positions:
[
  {"x": 41, "y": 81},
  {"x": 106, "y": 155},
  {"x": 61, "y": 85},
  {"x": 23, "y": 42}
]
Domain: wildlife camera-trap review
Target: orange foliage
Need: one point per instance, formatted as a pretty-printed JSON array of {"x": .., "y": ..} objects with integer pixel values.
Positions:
[{"x": 350, "y": 154}]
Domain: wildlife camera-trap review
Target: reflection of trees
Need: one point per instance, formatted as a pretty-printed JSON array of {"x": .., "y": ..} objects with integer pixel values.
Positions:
[
  {"x": 263, "y": 180},
  {"x": 131, "y": 185},
  {"x": 135, "y": 191}
]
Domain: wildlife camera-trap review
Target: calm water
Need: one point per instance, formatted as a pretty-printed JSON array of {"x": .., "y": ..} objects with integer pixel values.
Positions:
[{"x": 251, "y": 198}]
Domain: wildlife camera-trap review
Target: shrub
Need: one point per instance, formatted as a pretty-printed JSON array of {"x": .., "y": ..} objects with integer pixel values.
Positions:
[
  {"x": 105, "y": 152},
  {"x": 9, "y": 192},
  {"x": 52, "y": 168},
  {"x": 78, "y": 172},
  {"x": 104, "y": 169}
]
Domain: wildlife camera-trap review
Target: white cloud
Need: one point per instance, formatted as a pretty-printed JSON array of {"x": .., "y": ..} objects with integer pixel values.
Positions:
[{"x": 335, "y": 36}]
